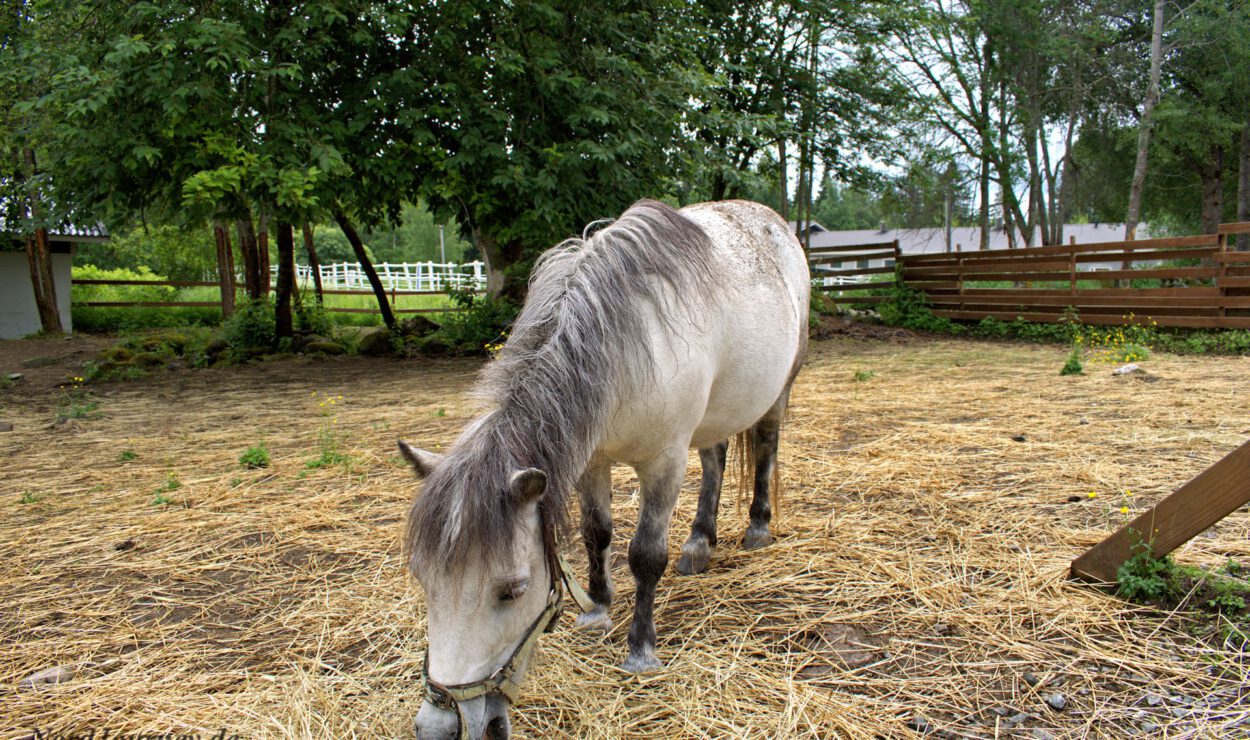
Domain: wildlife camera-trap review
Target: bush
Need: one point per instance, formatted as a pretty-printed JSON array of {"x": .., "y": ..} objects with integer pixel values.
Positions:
[
  {"x": 906, "y": 307},
  {"x": 256, "y": 456},
  {"x": 482, "y": 321},
  {"x": 251, "y": 326}
]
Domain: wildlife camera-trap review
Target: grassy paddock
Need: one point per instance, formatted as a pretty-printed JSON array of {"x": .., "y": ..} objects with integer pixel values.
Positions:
[{"x": 936, "y": 491}]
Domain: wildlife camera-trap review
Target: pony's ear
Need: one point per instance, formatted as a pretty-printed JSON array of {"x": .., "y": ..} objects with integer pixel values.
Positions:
[
  {"x": 423, "y": 461},
  {"x": 527, "y": 485}
]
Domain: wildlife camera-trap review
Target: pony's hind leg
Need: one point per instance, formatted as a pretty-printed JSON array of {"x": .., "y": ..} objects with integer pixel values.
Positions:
[
  {"x": 595, "y": 490},
  {"x": 765, "y": 436},
  {"x": 697, "y": 551},
  {"x": 648, "y": 552}
]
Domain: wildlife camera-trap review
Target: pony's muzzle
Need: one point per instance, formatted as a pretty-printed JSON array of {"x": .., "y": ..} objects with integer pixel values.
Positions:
[{"x": 486, "y": 717}]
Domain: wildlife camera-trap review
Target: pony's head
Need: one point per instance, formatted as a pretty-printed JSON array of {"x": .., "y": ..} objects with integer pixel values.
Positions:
[{"x": 479, "y": 546}]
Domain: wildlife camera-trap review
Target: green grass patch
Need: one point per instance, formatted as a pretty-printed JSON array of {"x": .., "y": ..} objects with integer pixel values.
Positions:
[{"x": 255, "y": 457}]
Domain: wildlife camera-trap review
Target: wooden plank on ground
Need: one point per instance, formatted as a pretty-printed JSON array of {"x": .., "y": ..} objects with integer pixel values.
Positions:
[{"x": 1217, "y": 492}]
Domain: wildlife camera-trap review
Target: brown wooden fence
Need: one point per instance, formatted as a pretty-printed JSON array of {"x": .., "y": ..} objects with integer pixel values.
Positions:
[
  {"x": 1190, "y": 281},
  {"x": 853, "y": 284},
  {"x": 218, "y": 304}
]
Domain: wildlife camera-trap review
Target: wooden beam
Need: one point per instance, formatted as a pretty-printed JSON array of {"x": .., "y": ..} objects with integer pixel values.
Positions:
[{"x": 1217, "y": 492}]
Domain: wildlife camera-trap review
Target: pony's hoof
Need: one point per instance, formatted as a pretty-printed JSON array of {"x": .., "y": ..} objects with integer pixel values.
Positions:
[
  {"x": 754, "y": 540},
  {"x": 642, "y": 662},
  {"x": 694, "y": 559},
  {"x": 595, "y": 621}
]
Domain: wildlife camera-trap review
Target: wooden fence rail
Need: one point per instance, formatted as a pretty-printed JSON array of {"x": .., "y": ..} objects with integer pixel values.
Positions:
[
  {"x": 392, "y": 294},
  {"x": 1190, "y": 281},
  {"x": 852, "y": 285}
]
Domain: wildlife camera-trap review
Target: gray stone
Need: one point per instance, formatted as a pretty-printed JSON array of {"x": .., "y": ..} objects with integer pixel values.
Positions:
[
  {"x": 1018, "y": 718},
  {"x": 417, "y": 326},
  {"x": 324, "y": 346},
  {"x": 1132, "y": 367},
  {"x": 1180, "y": 712},
  {"x": 14, "y": 376},
  {"x": 1029, "y": 678},
  {"x": 1040, "y": 734},
  {"x": 1153, "y": 700},
  {"x": 1057, "y": 701},
  {"x": 55, "y": 674},
  {"x": 376, "y": 341}
]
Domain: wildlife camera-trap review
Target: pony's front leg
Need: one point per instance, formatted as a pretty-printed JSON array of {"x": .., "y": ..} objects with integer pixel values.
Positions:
[
  {"x": 648, "y": 552},
  {"x": 595, "y": 491}
]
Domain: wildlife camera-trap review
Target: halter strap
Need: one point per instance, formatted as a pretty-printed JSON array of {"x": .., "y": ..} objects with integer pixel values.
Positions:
[{"x": 448, "y": 698}]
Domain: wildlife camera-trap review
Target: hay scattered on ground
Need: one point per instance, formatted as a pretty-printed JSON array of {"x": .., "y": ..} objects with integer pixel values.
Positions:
[{"x": 918, "y": 581}]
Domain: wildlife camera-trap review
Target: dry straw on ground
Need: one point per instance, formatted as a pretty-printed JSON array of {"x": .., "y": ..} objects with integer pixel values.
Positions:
[{"x": 918, "y": 579}]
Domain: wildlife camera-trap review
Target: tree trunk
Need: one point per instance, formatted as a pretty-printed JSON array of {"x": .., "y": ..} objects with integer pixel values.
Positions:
[
  {"x": 225, "y": 268},
  {"x": 985, "y": 197},
  {"x": 314, "y": 264},
  {"x": 283, "y": 325},
  {"x": 1145, "y": 126},
  {"x": 251, "y": 259},
  {"x": 1243, "y": 186},
  {"x": 784, "y": 180},
  {"x": 388, "y": 316},
  {"x": 1213, "y": 191},
  {"x": 262, "y": 254},
  {"x": 39, "y": 256}
]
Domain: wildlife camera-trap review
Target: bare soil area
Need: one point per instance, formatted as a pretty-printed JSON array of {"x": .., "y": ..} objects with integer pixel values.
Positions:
[{"x": 918, "y": 583}]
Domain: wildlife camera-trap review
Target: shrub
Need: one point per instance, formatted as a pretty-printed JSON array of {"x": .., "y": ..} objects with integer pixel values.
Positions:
[
  {"x": 906, "y": 307},
  {"x": 251, "y": 326},
  {"x": 481, "y": 321}
]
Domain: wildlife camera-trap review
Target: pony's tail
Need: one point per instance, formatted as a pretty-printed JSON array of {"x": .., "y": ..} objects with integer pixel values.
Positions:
[{"x": 742, "y": 455}]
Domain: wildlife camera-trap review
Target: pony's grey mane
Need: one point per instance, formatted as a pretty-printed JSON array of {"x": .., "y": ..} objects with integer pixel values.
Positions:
[{"x": 553, "y": 387}]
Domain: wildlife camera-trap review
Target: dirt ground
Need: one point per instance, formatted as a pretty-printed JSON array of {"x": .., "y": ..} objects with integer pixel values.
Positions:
[{"x": 918, "y": 583}]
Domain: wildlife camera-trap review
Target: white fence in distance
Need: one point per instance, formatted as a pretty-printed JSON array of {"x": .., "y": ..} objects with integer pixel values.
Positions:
[{"x": 432, "y": 276}]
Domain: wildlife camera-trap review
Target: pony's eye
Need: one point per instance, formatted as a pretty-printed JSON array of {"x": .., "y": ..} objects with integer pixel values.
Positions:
[{"x": 512, "y": 591}]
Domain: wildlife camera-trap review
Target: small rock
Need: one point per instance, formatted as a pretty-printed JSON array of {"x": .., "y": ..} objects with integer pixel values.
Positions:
[
  {"x": 1132, "y": 367},
  {"x": 941, "y": 628},
  {"x": 1083, "y": 692},
  {"x": 1150, "y": 727},
  {"x": 1019, "y": 438},
  {"x": 1153, "y": 700},
  {"x": 1180, "y": 712},
  {"x": 124, "y": 546},
  {"x": 1040, "y": 734},
  {"x": 1075, "y": 499},
  {"x": 417, "y": 326},
  {"x": 56, "y": 674},
  {"x": 1057, "y": 702},
  {"x": 919, "y": 724},
  {"x": 324, "y": 346},
  {"x": 14, "y": 376},
  {"x": 1031, "y": 679},
  {"x": 1018, "y": 718},
  {"x": 375, "y": 341},
  {"x": 1002, "y": 711}
]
